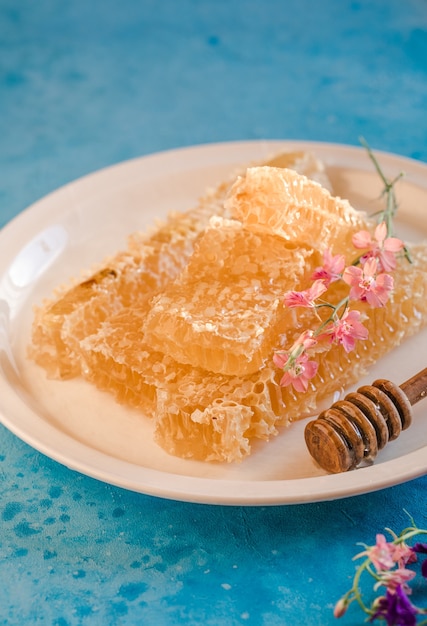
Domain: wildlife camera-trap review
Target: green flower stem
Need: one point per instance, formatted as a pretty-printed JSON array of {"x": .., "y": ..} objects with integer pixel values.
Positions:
[
  {"x": 354, "y": 593},
  {"x": 408, "y": 533},
  {"x": 388, "y": 191},
  {"x": 392, "y": 205},
  {"x": 343, "y": 304}
]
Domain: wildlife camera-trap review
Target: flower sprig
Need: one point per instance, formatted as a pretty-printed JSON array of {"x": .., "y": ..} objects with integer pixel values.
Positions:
[
  {"x": 367, "y": 278},
  {"x": 387, "y": 563}
]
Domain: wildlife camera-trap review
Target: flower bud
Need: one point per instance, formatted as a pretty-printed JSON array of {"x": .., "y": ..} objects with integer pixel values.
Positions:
[{"x": 340, "y": 608}]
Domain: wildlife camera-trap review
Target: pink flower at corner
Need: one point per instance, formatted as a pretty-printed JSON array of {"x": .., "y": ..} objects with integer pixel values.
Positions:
[
  {"x": 340, "y": 608},
  {"x": 384, "y": 554},
  {"x": 348, "y": 329},
  {"x": 380, "y": 247},
  {"x": 391, "y": 579},
  {"x": 299, "y": 373},
  {"x": 332, "y": 268},
  {"x": 381, "y": 554},
  {"x": 367, "y": 285},
  {"x": 307, "y": 297}
]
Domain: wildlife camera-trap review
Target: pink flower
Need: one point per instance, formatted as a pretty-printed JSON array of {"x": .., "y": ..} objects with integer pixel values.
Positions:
[
  {"x": 303, "y": 343},
  {"x": 295, "y": 364},
  {"x": 306, "y": 340},
  {"x": 340, "y": 608},
  {"x": 395, "y": 578},
  {"x": 305, "y": 298},
  {"x": 332, "y": 268},
  {"x": 384, "y": 555},
  {"x": 381, "y": 247},
  {"x": 381, "y": 554},
  {"x": 367, "y": 285},
  {"x": 403, "y": 554},
  {"x": 299, "y": 372},
  {"x": 346, "y": 330}
]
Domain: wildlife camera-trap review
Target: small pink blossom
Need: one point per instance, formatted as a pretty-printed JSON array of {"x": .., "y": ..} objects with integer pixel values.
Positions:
[
  {"x": 385, "y": 555},
  {"x": 381, "y": 554},
  {"x": 299, "y": 372},
  {"x": 367, "y": 285},
  {"x": 340, "y": 608},
  {"x": 306, "y": 340},
  {"x": 380, "y": 247},
  {"x": 305, "y": 298},
  {"x": 395, "y": 578},
  {"x": 346, "y": 330},
  {"x": 403, "y": 554},
  {"x": 332, "y": 268}
]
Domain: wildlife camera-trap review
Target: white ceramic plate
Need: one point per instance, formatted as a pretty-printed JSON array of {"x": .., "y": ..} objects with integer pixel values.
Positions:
[{"x": 85, "y": 429}]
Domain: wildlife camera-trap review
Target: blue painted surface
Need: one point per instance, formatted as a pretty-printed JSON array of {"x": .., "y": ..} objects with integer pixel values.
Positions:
[{"x": 87, "y": 84}]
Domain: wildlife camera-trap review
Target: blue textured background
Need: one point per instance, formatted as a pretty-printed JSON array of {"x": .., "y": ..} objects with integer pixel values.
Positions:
[{"x": 87, "y": 84}]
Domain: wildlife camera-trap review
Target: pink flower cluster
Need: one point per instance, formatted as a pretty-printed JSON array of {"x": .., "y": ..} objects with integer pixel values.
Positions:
[
  {"x": 387, "y": 563},
  {"x": 369, "y": 282},
  {"x": 384, "y": 556}
]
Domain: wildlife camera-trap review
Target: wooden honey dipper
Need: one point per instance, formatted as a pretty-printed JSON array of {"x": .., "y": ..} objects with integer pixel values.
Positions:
[{"x": 356, "y": 428}]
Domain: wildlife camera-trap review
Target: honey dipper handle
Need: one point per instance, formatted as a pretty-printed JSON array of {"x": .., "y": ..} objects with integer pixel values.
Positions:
[{"x": 416, "y": 387}]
